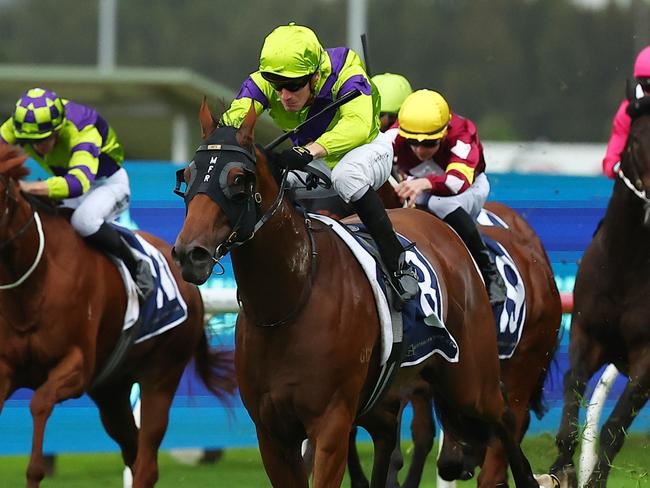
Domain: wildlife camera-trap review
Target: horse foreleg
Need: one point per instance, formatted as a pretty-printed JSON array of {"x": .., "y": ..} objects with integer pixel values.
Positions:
[
  {"x": 423, "y": 431},
  {"x": 65, "y": 380},
  {"x": 612, "y": 435},
  {"x": 386, "y": 438},
  {"x": 357, "y": 476},
  {"x": 584, "y": 360},
  {"x": 283, "y": 463},
  {"x": 332, "y": 447},
  {"x": 156, "y": 397},
  {"x": 114, "y": 406},
  {"x": 6, "y": 375}
]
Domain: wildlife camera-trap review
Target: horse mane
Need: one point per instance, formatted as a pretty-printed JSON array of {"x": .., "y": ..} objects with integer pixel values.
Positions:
[{"x": 12, "y": 159}]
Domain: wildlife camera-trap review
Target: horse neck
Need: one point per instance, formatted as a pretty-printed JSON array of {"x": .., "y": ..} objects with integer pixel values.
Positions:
[
  {"x": 623, "y": 224},
  {"x": 273, "y": 269},
  {"x": 16, "y": 260}
]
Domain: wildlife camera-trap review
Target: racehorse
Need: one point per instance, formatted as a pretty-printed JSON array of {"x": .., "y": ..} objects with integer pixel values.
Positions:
[
  {"x": 523, "y": 373},
  {"x": 609, "y": 322},
  {"x": 307, "y": 336},
  {"x": 62, "y": 307}
]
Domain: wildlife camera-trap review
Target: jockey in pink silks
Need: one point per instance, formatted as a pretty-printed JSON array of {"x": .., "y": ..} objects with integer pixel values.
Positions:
[{"x": 621, "y": 124}]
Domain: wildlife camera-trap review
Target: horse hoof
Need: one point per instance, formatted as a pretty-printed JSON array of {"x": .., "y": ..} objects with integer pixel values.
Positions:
[
  {"x": 548, "y": 481},
  {"x": 566, "y": 476}
]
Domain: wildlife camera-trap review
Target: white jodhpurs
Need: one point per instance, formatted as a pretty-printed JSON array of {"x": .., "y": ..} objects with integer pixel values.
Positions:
[
  {"x": 471, "y": 200},
  {"x": 103, "y": 202},
  {"x": 363, "y": 167}
]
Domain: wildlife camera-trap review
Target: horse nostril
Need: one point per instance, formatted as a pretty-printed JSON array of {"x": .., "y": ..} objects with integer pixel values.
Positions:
[{"x": 199, "y": 255}]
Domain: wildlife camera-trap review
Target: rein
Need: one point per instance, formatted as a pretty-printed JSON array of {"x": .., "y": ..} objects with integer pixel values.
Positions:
[
  {"x": 41, "y": 238},
  {"x": 634, "y": 189}
]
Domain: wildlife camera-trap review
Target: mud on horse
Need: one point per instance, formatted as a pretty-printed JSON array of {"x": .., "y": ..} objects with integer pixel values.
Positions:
[
  {"x": 610, "y": 313},
  {"x": 308, "y": 335},
  {"x": 62, "y": 307}
]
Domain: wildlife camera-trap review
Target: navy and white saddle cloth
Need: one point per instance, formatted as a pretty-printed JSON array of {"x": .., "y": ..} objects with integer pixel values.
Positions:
[
  {"x": 510, "y": 316},
  {"x": 424, "y": 332},
  {"x": 165, "y": 307}
]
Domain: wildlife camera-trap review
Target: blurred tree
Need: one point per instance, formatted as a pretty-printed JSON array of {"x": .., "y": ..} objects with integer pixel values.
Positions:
[{"x": 523, "y": 69}]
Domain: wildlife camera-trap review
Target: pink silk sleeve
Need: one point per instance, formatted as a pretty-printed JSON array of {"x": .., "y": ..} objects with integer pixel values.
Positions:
[{"x": 620, "y": 131}]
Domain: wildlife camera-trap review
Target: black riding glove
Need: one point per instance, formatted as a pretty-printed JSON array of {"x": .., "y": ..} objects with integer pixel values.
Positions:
[{"x": 295, "y": 158}]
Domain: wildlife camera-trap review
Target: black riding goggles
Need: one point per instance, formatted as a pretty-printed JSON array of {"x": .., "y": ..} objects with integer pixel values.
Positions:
[
  {"x": 426, "y": 143},
  {"x": 280, "y": 83}
]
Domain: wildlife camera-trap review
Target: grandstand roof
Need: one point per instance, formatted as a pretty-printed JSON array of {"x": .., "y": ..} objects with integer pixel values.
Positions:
[{"x": 144, "y": 105}]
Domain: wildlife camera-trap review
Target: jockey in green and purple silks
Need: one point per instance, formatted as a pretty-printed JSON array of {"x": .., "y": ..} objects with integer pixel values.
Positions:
[
  {"x": 297, "y": 78},
  {"x": 74, "y": 144}
]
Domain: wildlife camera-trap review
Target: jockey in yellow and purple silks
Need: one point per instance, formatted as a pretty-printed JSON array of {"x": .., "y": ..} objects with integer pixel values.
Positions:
[
  {"x": 74, "y": 144},
  {"x": 296, "y": 79}
]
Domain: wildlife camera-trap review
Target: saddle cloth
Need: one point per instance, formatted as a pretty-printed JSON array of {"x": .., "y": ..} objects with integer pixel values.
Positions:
[
  {"x": 511, "y": 316},
  {"x": 165, "y": 307},
  {"x": 424, "y": 331}
]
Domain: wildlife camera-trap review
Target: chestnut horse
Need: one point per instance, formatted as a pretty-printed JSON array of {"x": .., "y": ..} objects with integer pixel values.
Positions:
[
  {"x": 62, "y": 307},
  {"x": 610, "y": 311},
  {"x": 308, "y": 336},
  {"x": 523, "y": 373}
]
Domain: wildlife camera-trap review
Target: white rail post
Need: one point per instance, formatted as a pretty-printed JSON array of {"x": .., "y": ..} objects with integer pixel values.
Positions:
[{"x": 594, "y": 411}]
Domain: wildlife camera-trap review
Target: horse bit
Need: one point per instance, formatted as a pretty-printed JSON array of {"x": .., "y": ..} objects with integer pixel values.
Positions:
[{"x": 10, "y": 210}]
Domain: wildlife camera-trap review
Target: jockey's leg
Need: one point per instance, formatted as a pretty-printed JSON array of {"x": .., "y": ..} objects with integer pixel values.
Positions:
[
  {"x": 109, "y": 241},
  {"x": 372, "y": 213},
  {"x": 103, "y": 203},
  {"x": 465, "y": 226}
]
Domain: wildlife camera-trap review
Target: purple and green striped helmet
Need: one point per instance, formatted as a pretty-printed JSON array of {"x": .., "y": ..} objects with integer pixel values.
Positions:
[{"x": 38, "y": 113}]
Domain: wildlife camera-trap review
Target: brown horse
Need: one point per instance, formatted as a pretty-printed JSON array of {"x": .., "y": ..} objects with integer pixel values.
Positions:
[
  {"x": 523, "y": 373},
  {"x": 62, "y": 308},
  {"x": 610, "y": 313},
  {"x": 308, "y": 336}
]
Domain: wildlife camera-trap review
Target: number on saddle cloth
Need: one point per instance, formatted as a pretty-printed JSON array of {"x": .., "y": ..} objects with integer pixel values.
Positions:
[
  {"x": 165, "y": 307},
  {"x": 511, "y": 315}
]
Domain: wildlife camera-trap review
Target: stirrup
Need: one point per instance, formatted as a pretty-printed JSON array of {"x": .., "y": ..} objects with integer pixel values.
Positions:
[{"x": 405, "y": 281}]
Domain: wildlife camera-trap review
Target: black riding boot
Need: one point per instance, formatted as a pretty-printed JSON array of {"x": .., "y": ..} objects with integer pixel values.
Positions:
[
  {"x": 108, "y": 240},
  {"x": 465, "y": 226},
  {"x": 372, "y": 213}
]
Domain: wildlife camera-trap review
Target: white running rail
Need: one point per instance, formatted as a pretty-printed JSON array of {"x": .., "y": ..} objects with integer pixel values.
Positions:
[{"x": 594, "y": 411}]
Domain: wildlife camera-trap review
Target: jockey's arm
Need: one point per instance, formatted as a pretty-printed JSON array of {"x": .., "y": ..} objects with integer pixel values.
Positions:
[{"x": 82, "y": 168}]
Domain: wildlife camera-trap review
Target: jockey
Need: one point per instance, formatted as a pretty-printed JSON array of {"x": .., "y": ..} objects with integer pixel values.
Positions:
[
  {"x": 622, "y": 121},
  {"x": 297, "y": 78},
  {"x": 443, "y": 155},
  {"x": 76, "y": 145},
  {"x": 393, "y": 90}
]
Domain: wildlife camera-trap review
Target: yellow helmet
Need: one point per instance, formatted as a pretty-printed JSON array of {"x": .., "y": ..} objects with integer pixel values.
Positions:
[
  {"x": 393, "y": 90},
  {"x": 291, "y": 51},
  {"x": 424, "y": 116}
]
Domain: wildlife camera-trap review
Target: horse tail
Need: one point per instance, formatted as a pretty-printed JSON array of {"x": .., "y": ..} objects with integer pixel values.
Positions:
[
  {"x": 537, "y": 403},
  {"x": 215, "y": 368}
]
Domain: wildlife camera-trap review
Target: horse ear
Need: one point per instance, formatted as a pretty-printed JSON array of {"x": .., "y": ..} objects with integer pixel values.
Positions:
[
  {"x": 629, "y": 89},
  {"x": 245, "y": 132},
  {"x": 208, "y": 124},
  {"x": 11, "y": 161}
]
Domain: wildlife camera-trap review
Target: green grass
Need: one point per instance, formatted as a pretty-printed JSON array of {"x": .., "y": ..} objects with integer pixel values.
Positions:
[{"x": 242, "y": 468}]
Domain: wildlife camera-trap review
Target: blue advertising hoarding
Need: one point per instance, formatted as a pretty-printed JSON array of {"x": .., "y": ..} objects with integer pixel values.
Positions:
[{"x": 563, "y": 210}]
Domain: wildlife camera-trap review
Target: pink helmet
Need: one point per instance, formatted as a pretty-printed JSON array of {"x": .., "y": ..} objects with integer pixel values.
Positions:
[{"x": 642, "y": 64}]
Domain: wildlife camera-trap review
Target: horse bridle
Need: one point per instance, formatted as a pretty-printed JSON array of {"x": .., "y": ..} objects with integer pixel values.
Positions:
[{"x": 11, "y": 203}]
